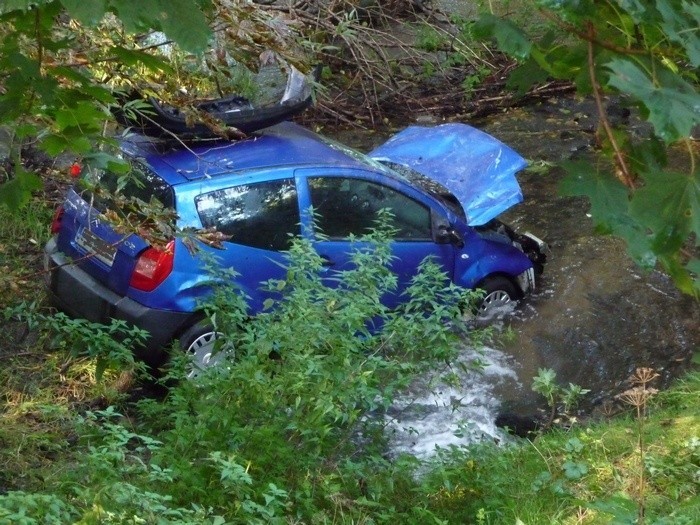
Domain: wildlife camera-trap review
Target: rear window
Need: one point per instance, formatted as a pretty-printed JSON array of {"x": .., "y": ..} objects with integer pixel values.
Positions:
[{"x": 141, "y": 183}]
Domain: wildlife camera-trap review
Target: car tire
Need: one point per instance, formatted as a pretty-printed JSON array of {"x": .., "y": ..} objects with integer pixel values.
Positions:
[
  {"x": 499, "y": 294},
  {"x": 199, "y": 343}
]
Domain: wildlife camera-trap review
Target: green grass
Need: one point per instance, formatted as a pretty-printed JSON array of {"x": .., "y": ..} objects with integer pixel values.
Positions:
[
  {"x": 563, "y": 475},
  {"x": 22, "y": 235}
]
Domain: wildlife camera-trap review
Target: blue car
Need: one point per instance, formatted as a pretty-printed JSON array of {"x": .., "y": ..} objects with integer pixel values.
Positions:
[{"x": 445, "y": 186}]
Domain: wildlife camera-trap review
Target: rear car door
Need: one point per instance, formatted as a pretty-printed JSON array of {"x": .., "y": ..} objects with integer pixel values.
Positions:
[{"x": 260, "y": 219}]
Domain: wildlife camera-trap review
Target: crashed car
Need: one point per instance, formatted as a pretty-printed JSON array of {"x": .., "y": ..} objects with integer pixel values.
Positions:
[{"x": 445, "y": 186}]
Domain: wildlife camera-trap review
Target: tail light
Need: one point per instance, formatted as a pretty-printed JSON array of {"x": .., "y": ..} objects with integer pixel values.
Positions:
[
  {"x": 152, "y": 267},
  {"x": 56, "y": 221}
]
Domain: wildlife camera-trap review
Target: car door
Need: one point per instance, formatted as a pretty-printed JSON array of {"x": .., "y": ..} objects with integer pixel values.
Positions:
[
  {"x": 260, "y": 219},
  {"x": 346, "y": 203}
]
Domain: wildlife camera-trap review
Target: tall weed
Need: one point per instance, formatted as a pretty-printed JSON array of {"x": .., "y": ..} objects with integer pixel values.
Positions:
[{"x": 286, "y": 427}]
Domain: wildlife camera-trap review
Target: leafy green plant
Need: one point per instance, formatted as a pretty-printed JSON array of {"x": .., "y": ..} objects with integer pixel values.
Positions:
[
  {"x": 305, "y": 386},
  {"x": 429, "y": 39},
  {"x": 66, "y": 65},
  {"x": 32, "y": 509},
  {"x": 557, "y": 397},
  {"x": 111, "y": 346}
]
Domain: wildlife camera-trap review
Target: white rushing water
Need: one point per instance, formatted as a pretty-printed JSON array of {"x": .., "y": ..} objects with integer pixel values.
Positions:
[{"x": 439, "y": 414}]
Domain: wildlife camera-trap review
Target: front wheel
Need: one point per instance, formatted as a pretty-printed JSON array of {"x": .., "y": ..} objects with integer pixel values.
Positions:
[
  {"x": 204, "y": 347},
  {"x": 500, "y": 295}
]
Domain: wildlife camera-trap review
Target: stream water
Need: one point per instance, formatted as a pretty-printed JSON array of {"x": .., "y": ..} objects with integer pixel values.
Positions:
[{"x": 594, "y": 319}]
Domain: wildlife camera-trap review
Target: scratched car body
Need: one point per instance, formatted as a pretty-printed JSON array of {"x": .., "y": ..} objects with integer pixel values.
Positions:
[{"x": 445, "y": 186}]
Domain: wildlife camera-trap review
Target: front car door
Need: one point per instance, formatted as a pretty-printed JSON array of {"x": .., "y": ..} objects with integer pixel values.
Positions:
[{"x": 346, "y": 202}]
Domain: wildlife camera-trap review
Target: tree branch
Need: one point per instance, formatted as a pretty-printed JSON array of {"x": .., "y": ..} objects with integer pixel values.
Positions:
[{"x": 623, "y": 172}]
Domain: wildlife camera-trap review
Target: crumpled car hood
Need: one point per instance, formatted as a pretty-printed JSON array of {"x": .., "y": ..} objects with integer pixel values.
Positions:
[{"x": 476, "y": 167}]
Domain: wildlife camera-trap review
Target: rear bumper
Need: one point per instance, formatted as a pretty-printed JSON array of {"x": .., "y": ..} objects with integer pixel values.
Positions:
[{"x": 78, "y": 294}]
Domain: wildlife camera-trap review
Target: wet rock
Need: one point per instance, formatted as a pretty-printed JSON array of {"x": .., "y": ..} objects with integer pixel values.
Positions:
[{"x": 524, "y": 426}]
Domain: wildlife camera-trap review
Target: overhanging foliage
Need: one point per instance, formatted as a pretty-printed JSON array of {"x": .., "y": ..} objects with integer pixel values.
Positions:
[{"x": 647, "y": 191}]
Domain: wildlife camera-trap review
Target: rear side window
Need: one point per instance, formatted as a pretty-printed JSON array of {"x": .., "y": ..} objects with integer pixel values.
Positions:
[{"x": 263, "y": 215}]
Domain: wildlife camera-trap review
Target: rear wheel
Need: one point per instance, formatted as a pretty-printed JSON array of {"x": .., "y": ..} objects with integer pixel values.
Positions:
[
  {"x": 500, "y": 295},
  {"x": 204, "y": 347}
]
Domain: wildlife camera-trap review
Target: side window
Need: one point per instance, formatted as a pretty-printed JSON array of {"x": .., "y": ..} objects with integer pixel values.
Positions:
[
  {"x": 263, "y": 215},
  {"x": 350, "y": 206}
]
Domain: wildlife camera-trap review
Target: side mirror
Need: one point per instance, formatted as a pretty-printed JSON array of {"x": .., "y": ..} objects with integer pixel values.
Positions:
[{"x": 446, "y": 235}]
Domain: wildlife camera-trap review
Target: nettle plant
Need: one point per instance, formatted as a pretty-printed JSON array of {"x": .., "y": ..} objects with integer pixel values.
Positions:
[
  {"x": 109, "y": 346},
  {"x": 645, "y": 187},
  {"x": 295, "y": 403},
  {"x": 288, "y": 424}
]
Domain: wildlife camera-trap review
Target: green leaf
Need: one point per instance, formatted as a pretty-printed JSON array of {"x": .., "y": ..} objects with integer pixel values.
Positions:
[
  {"x": 574, "y": 470},
  {"x": 682, "y": 278},
  {"x": 83, "y": 113},
  {"x": 622, "y": 509},
  {"x": 54, "y": 144},
  {"x": 17, "y": 192},
  {"x": 132, "y": 57},
  {"x": 637, "y": 238},
  {"x": 609, "y": 208},
  {"x": 98, "y": 93},
  {"x": 134, "y": 14},
  {"x": 27, "y": 67},
  {"x": 608, "y": 197},
  {"x": 647, "y": 156},
  {"x": 181, "y": 20},
  {"x": 673, "y": 104},
  {"x": 26, "y": 130},
  {"x": 509, "y": 37},
  {"x": 682, "y": 26},
  {"x": 564, "y": 62},
  {"x": 104, "y": 161},
  {"x": 574, "y": 445},
  {"x": 184, "y": 22},
  {"x": 88, "y": 12},
  {"x": 669, "y": 199},
  {"x": 667, "y": 241},
  {"x": 525, "y": 76}
]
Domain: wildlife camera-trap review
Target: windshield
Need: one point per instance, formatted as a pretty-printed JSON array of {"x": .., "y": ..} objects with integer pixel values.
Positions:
[
  {"x": 428, "y": 185},
  {"x": 357, "y": 155}
]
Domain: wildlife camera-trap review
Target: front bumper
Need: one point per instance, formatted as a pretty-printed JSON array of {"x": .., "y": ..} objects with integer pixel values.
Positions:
[
  {"x": 80, "y": 295},
  {"x": 526, "y": 281}
]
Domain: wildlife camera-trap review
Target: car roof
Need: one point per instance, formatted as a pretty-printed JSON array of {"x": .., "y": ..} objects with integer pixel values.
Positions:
[{"x": 285, "y": 144}]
